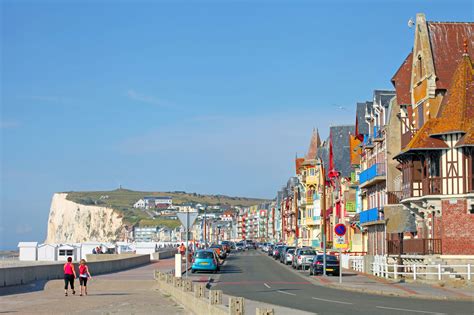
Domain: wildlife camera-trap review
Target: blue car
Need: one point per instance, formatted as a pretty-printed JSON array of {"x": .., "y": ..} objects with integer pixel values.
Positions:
[{"x": 205, "y": 260}]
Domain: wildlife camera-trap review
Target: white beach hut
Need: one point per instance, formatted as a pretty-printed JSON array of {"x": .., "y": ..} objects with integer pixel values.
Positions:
[
  {"x": 67, "y": 250},
  {"x": 28, "y": 251},
  {"x": 47, "y": 252}
]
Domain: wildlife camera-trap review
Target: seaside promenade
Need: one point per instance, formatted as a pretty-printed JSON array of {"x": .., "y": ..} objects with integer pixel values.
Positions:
[{"x": 133, "y": 291}]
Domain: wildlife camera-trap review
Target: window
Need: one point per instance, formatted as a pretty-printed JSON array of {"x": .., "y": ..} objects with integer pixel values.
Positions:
[
  {"x": 419, "y": 67},
  {"x": 421, "y": 118},
  {"x": 434, "y": 166},
  {"x": 65, "y": 252}
]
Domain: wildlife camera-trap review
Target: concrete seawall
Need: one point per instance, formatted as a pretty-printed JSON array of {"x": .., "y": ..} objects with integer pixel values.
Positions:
[{"x": 26, "y": 274}]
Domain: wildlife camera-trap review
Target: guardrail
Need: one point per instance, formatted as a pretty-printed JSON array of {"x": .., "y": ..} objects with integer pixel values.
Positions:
[{"x": 416, "y": 270}]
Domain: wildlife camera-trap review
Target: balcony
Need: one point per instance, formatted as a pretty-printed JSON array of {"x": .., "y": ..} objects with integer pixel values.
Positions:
[
  {"x": 371, "y": 215},
  {"x": 414, "y": 247},
  {"x": 432, "y": 186},
  {"x": 394, "y": 197},
  {"x": 373, "y": 174}
]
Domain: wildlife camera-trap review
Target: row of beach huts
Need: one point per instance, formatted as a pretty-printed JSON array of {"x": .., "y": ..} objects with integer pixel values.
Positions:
[{"x": 34, "y": 251}]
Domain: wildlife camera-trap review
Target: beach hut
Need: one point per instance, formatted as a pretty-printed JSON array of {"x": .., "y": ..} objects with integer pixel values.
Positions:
[
  {"x": 67, "y": 250},
  {"x": 28, "y": 251},
  {"x": 47, "y": 252}
]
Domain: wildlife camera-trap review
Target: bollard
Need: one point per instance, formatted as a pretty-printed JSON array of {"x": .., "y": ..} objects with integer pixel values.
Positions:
[
  {"x": 236, "y": 306},
  {"x": 199, "y": 290},
  {"x": 215, "y": 297},
  {"x": 187, "y": 285},
  {"x": 177, "y": 282},
  {"x": 169, "y": 278},
  {"x": 265, "y": 311}
]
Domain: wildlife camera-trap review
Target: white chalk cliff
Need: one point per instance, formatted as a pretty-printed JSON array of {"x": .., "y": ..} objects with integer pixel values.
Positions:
[{"x": 70, "y": 222}]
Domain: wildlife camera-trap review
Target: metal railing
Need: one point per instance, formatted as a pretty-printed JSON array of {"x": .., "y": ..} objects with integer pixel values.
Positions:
[
  {"x": 378, "y": 169},
  {"x": 416, "y": 270}
]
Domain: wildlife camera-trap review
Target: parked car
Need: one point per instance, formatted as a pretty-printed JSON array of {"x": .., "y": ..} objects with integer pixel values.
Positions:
[
  {"x": 205, "y": 260},
  {"x": 297, "y": 252},
  {"x": 270, "y": 250},
  {"x": 289, "y": 256},
  {"x": 240, "y": 246},
  {"x": 251, "y": 244},
  {"x": 332, "y": 265},
  {"x": 283, "y": 253},
  {"x": 304, "y": 258},
  {"x": 277, "y": 251}
]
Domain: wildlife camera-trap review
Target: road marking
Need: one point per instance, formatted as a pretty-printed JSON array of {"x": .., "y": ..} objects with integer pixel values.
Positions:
[
  {"x": 286, "y": 292},
  {"x": 407, "y": 310},
  {"x": 267, "y": 285},
  {"x": 332, "y": 301}
]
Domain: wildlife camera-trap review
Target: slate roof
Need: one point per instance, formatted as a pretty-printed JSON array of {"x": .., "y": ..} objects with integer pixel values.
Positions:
[
  {"x": 360, "y": 116},
  {"x": 401, "y": 81},
  {"x": 447, "y": 45},
  {"x": 340, "y": 149}
]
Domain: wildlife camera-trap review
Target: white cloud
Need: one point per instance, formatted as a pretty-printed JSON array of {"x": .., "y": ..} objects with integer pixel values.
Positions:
[{"x": 139, "y": 97}]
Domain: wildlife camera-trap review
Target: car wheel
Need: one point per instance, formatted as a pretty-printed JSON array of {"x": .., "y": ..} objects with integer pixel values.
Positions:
[
  {"x": 310, "y": 272},
  {"x": 193, "y": 271}
]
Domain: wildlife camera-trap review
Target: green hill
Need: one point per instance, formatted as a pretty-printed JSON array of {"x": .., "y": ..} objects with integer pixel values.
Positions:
[{"x": 122, "y": 200}]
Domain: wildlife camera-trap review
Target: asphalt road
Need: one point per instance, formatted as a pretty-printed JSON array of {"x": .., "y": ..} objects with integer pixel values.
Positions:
[{"x": 258, "y": 277}]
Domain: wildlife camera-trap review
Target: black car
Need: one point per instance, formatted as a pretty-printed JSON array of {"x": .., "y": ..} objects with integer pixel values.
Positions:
[
  {"x": 332, "y": 265},
  {"x": 277, "y": 251}
]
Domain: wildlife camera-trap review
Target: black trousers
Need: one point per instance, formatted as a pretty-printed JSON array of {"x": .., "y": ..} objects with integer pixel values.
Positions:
[
  {"x": 69, "y": 279},
  {"x": 83, "y": 281}
]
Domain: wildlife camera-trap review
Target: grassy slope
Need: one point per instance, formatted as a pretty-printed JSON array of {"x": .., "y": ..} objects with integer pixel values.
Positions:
[{"x": 122, "y": 200}]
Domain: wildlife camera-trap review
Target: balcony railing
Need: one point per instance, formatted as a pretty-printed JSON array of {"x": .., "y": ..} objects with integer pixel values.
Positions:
[
  {"x": 370, "y": 215},
  {"x": 432, "y": 186},
  {"x": 394, "y": 197},
  {"x": 378, "y": 169},
  {"x": 415, "y": 247}
]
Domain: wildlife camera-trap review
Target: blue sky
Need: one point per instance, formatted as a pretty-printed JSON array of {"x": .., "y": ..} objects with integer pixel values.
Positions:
[{"x": 202, "y": 96}]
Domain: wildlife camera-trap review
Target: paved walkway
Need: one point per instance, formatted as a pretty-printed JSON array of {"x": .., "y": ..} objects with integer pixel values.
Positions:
[
  {"x": 360, "y": 282},
  {"x": 132, "y": 291}
]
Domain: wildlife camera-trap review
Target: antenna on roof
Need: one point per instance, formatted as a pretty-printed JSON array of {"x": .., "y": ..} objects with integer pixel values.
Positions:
[{"x": 411, "y": 23}]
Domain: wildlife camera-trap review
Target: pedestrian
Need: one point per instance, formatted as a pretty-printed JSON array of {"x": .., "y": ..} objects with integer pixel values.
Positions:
[
  {"x": 69, "y": 276},
  {"x": 84, "y": 275},
  {"x": 182, "y": 249}
]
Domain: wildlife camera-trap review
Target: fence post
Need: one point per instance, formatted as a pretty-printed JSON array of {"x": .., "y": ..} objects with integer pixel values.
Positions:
[
  {"x": 386, "y": 270},
  {"x": 468, "y": 271},
  {"x": 395, "y": 271},
  {"x": 414, "y": 272},
  {"x": 439, "y": 272}
]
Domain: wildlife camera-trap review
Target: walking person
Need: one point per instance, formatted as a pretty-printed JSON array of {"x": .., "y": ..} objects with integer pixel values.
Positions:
[
  {"x": 69, "y": 276},
  {"x": 84, "y": 275}
]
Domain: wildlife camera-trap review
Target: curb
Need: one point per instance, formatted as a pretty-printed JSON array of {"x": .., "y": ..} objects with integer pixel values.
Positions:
[{"x": 377, "y": 292}]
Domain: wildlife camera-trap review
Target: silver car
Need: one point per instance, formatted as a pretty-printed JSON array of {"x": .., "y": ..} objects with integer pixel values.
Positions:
[
  {"x": 304, "y": 258},
  {"x": 289, "y": 256}
]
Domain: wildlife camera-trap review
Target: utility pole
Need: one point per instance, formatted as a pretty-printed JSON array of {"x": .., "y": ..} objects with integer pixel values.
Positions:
[{"x": 323, "y": 217}]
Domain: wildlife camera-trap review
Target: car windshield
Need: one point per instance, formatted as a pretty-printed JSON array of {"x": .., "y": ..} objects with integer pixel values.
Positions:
[
  {"x": 240, "y": 244},
  {"x": 291, "y": 251},
  {"x": 308, "y": 252},
  {"x": 204, "y": 255}
]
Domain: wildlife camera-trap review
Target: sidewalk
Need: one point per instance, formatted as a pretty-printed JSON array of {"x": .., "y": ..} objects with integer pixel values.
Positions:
[
  {"x": 354, "y": 281},
  {"x": 132, "y": 291}
]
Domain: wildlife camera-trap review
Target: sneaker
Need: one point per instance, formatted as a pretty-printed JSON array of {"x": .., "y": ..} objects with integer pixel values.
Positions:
[
  {"x": 65, "y": 294},
  {"x": 73, "y": 292}
]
